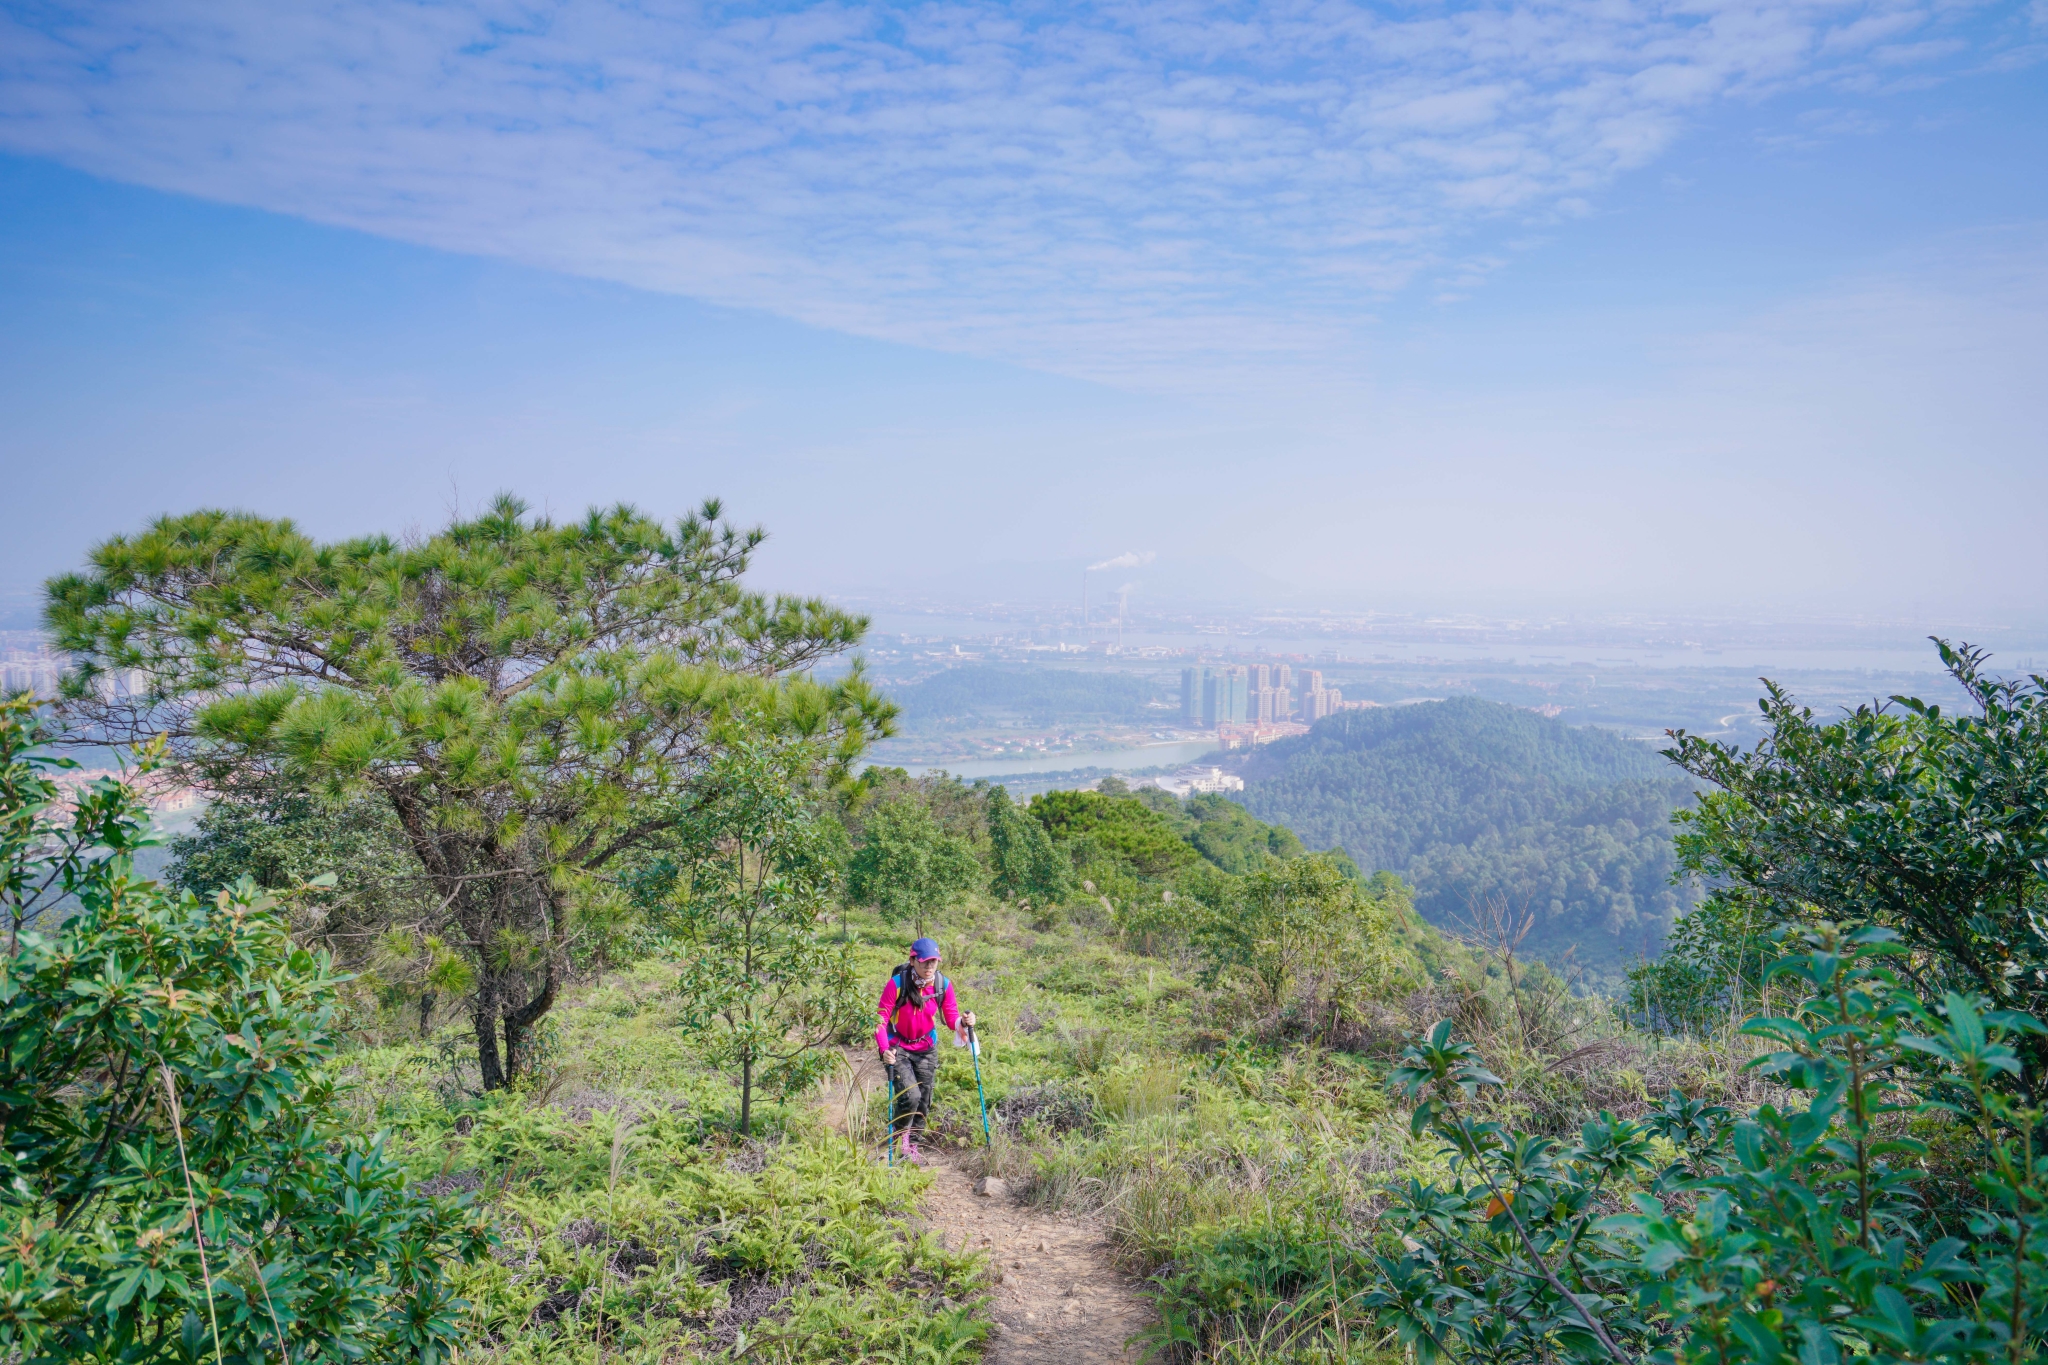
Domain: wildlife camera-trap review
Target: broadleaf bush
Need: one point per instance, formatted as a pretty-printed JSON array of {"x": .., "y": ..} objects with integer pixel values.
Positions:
[
  {"x": 1799, "y": 1233},
  {"x": 178, "y": 1180}
]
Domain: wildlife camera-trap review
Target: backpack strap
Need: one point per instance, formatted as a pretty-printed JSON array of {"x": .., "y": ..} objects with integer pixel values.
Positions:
[
  {"x": 938, "y": 1000},
  {"x": 901, "y": 980}
]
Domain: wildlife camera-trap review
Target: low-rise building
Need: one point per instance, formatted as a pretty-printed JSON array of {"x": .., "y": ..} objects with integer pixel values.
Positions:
[{"x": 1196, "y": 779}]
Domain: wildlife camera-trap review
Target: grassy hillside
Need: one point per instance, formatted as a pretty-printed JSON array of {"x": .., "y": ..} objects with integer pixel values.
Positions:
[
  {"x": 1158, "y": 1089},
  {"x": 1217, "y": 1053},
  {"x": 1476, "y": 803},
  {"x": 634, "y": 1225},
  {"x": 1235, "y": 1164}
]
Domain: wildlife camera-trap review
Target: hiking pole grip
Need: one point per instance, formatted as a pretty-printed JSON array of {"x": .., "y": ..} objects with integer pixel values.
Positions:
[{"x": 974, "y": 1050}]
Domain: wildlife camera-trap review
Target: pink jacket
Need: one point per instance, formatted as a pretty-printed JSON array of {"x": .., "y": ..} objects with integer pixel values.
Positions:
[{"x": 915, "y": 1030}]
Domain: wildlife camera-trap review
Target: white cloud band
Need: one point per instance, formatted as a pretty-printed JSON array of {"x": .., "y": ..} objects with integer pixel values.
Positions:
[{"x": 1117, "y": 191}]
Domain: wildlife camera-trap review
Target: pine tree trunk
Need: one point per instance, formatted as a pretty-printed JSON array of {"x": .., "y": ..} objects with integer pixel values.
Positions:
[
  {"x": 485, "y": 1018},
  {"x": 485, "y": 891},
  {"x": 519, "y": 1025}
]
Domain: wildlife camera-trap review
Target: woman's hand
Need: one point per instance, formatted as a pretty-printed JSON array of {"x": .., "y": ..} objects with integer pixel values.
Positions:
[{"x": 888, "y": 1056}]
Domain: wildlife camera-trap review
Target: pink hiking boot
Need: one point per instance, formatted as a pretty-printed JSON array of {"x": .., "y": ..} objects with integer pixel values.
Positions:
[{"x": 910, "y": 1152}]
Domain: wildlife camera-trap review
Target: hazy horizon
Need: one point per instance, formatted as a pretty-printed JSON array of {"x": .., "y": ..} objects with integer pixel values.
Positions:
[{"x": 1712, "y": 312}]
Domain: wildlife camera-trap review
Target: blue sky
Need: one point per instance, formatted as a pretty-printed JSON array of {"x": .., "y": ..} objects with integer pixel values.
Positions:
[{"x": 1697, "y": 306}]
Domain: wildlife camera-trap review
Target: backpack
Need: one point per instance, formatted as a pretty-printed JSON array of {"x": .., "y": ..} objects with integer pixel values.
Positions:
[{"x": 938, "y": 995}]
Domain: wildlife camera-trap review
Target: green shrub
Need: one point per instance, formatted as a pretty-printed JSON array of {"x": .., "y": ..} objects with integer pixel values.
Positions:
[
  {"x": 177, "y": 1182},
  {"x": 1778, "y": 1235}
]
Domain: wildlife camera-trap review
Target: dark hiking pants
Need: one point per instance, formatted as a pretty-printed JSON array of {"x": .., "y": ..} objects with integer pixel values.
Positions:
[{"x": 913, "y": 1074}]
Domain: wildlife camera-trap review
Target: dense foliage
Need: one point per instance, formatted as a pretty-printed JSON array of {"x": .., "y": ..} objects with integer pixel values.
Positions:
[
  {"x": 908, "y": 865},
  {"x": 528, "y": 697},
  {"x": 1143, "y": 862},
  {"x": 1472, "y": 801},
  {"x": 1933, "y": 823},
  {"x": 1304, "y": 932},
  {"x": 179, "y": 1180},
  {"x": 379, "y": 920},
  {"x": 1024, "y": 865},
  {"x": 1797, "y": 1233},
  {"x": 1098, "y": 828}
]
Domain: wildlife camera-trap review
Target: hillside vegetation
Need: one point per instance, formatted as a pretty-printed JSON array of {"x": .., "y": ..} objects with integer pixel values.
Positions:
[
  {"x": 1473, "y": 803},
  {"x": 603, "y": 1111}
]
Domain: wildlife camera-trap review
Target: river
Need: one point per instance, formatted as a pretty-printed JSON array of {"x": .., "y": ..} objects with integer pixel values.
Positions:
[{"x": 1171, "y": 754}]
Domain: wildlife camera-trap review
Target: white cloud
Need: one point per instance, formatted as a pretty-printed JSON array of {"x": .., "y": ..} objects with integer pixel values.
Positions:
[
  {"x": 1118, "y": 191},
  {"x": 1872, "y": 28}
]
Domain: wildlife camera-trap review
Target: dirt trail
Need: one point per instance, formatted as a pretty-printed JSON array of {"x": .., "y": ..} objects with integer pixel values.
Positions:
[{"x": 1060, "y": 1301}]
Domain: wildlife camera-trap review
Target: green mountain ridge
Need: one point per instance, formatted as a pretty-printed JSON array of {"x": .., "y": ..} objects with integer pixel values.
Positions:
[{"x": 1483, "y": 805}]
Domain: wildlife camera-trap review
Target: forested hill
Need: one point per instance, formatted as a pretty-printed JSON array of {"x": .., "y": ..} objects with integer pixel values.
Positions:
[{"x": 1475, "y": 802}]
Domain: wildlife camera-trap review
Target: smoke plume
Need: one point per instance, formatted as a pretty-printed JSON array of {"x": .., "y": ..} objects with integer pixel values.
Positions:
[{"x": 1129, "y": 559}]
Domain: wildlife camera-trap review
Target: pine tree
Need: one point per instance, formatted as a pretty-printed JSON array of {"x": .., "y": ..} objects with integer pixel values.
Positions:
[{"x": 531, "y": 699}]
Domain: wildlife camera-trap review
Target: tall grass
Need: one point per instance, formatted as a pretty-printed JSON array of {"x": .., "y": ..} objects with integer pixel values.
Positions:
[
  {"x": 635, "y": 1227},
  {"x": 1240, "y": 1170},
  {"x": 1239, "y": 1174}
]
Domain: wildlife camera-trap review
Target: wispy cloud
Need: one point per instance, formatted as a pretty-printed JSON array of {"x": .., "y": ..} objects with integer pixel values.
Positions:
[{"x": 1118, "y": 191}]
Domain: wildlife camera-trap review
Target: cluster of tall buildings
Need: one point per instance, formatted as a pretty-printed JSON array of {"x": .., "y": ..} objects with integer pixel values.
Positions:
[
  {"x": 30, "y": 673},
  {"x": 42, "y": 672},
  {"x": 1256, "y": 694}
]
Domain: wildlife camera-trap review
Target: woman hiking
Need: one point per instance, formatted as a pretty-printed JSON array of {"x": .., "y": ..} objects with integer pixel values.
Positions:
[{"x": 913, "y": 1002}]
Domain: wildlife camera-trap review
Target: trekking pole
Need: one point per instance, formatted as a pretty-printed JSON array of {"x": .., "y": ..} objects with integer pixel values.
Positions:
[
  {"x": 974, "y": 1050},
  {"x": 891, "y": 1139}
]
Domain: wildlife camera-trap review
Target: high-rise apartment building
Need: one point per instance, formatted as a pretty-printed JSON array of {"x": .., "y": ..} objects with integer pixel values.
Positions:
[
  {"x": 1224, "y": 695},
  {"x": 1272, "y": 695},
  {"x": 1215, "y": 696},
  {"x": 1318, "y": 701}
]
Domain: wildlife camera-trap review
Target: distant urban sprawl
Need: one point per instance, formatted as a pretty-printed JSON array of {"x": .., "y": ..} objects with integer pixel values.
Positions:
[{"x": 1256, "y": 694}]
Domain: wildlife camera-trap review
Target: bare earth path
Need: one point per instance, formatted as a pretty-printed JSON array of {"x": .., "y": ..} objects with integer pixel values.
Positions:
[{"x": 1060, "y": 1301}]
